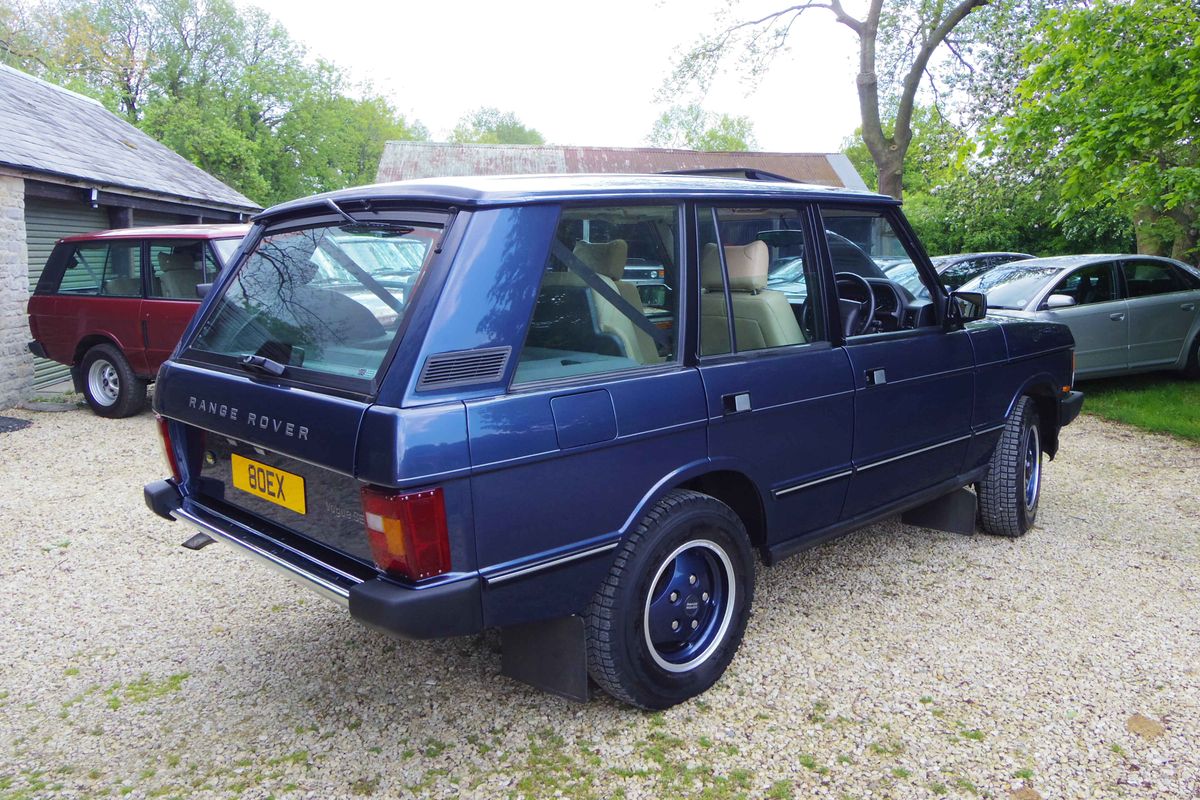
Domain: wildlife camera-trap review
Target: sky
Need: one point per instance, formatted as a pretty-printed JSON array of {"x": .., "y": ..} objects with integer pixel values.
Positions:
[{"x": 581, "y": 74}]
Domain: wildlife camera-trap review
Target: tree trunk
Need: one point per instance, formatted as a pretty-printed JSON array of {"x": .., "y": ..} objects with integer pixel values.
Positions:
[
  {"x": 891, "y": 172},
  {"x": 1149, "y": 240},
  {"x": 1184, "y": 247}
]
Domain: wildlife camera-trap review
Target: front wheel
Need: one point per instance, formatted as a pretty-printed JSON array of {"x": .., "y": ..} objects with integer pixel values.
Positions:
[
  {"x": 109, "y": 384},
  {"x": 1009, "y": 494},
  {"x": 667, "y": 621}
]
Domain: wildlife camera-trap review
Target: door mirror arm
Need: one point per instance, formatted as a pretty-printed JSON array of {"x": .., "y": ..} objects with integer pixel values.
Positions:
[{"x": 963, "y": 307}]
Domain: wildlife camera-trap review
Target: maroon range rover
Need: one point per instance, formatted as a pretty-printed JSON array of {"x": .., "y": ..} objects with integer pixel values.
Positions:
[{"x": 113, "y": 304}]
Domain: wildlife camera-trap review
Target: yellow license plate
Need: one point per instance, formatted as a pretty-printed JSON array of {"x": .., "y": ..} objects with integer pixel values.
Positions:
[{"x": 271, "y": 484}]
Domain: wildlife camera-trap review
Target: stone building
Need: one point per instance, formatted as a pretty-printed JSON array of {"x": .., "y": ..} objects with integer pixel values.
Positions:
[{"x": 69, "y": 166}]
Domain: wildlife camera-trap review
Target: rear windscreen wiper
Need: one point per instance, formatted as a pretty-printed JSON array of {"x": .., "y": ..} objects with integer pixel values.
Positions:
[
  {"x": 360, "y": 226},
  {"x": 262, "y": 364}
]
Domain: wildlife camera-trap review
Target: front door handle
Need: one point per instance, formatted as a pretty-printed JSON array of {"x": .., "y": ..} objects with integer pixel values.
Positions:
[
  {"x": 1188, "y": 306},
  {"x": 876, "y": 377},
  {"x": 1117, "y": 317}
]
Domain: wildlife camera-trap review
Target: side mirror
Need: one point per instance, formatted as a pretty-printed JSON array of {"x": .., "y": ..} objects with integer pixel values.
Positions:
[
  {"x": 653, "y": 294},
  {"x": 967, "y": 307},
  {"x": 202, "y": 290},
  {"x": 1060, "y": 301}
]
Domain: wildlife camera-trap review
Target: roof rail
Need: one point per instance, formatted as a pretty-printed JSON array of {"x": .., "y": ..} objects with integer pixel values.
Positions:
[{"x": 739, "y": 173}]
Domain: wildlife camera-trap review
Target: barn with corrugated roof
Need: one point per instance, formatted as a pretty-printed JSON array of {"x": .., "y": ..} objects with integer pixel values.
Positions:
[{"x": 404, "y": 160}]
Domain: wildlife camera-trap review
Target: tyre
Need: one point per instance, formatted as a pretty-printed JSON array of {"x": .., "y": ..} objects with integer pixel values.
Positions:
[
  {"x": 1192, "y": 368},
  {"x": 669, "y": 617},
  {"x": 1009, "y": 494},
  {"x": 111, "y": 388}
]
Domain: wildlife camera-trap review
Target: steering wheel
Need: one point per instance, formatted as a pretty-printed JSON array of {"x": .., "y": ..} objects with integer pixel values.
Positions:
[{"x": 856, "y": 316}]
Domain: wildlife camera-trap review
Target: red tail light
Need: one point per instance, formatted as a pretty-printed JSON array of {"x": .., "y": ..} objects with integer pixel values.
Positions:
[
  {"x": 407, "y": 532},
  {"x": 164, "y": 433}
]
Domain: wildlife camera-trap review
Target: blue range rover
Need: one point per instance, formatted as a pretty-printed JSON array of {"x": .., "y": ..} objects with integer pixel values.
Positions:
[{"x": 442, "y": 404}]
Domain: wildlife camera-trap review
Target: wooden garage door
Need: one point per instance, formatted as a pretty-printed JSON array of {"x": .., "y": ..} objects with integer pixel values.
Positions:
[{"x": 47, "y": 221}]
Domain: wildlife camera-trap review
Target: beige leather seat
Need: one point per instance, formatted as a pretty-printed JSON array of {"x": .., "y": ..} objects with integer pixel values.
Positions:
[
  {"x": 123, "y": 287},
  {"x": 179, "y": 275},
  {"x": 608, "y": 261},
  {"x": 762, "y": 317}
]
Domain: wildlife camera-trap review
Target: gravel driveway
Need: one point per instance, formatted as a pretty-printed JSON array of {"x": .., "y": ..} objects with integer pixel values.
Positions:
[{"x": 896, "y": 662}]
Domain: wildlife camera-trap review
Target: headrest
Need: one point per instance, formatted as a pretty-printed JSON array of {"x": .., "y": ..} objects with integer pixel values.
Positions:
[
  {"x": 747, "y": 265},
  {"x": 175, "y": 262},
  {"x": 607, "y": 258}
]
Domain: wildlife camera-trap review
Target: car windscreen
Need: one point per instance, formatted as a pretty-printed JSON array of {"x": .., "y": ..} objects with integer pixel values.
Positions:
[
  {"x": 324, "y": 303},
  {"x": 1011, "y": 287}
]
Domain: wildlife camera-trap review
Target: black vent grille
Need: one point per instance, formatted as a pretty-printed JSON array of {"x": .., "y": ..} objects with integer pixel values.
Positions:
[{"x": 464, "y": 367}]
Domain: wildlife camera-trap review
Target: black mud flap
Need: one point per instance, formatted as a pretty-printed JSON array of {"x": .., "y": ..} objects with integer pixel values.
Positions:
[
  {"x": 550, "y": 655},
  {"x": 953, "y": 513}
]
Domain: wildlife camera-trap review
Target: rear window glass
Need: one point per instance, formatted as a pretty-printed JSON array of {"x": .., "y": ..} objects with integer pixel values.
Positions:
[{"x": 323, "y": 301}]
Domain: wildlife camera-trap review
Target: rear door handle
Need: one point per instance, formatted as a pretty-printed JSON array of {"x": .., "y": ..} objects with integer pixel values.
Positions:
[
  {"x": 736, "y": 403},
  {"x": 876, "y": 377},
  {"x": 1116, "y": 317},
  {"x": 1188, "y": 306}
]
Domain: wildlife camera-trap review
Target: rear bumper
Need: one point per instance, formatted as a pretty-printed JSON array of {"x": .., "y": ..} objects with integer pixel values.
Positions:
[
  {"x": 1069, "y": 407},
  {"x": 37, "y": 349},
  {"x": 452, "y": 608}
]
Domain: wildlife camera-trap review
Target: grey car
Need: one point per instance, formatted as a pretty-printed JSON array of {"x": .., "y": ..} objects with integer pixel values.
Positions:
[
  {"x": 955, "y": 270},
  {"x": 1128, "y": 313}
]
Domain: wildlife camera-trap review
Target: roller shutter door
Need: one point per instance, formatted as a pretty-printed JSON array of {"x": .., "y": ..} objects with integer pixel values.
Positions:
[{"x": 47, "y": 221}]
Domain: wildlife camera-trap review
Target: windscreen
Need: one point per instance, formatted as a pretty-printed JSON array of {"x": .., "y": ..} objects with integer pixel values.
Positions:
[
  {"x": 322, "y": 301},
  {"x": 1011, "y": 287}
]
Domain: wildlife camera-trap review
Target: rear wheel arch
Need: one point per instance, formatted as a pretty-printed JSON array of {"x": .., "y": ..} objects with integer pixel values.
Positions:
[
  {"x": 736, "y": 490},
  {"x": 81, "y": 349},
  {"x": 90, "y": 341}
]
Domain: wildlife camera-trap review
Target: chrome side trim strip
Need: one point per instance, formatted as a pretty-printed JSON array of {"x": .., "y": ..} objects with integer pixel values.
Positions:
[
  {"x": 554, "y": 562},
  {"x": 297, "y": 572},
  {"x": 992, "y": 429},
  {"x": 799, "y": 486},
  {"x": 909, "y": 454}
]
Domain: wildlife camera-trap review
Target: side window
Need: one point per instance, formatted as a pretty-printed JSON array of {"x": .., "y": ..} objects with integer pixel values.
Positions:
[
  {"x": 608, "y": 298},
  {"x": 1092, "y": 284},
  {"x": 177, "y": 267},
  {"x": 755, "y": 265},
  {"x": 1148, "y": 278},
  {"x": 104, "y": 268},
  {"x": 859, "y": 240}
]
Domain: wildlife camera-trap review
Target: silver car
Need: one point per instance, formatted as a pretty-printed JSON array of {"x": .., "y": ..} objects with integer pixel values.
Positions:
[{"x": 1128, "y": 313}]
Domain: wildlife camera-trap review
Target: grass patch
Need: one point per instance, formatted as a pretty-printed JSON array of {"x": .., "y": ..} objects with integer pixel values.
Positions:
[
  {"x": 1158, "y": 402},
  {"x": 780, "y": 790}
]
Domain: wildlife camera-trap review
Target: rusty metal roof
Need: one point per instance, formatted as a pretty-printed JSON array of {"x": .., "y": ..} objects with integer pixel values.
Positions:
[{"x": 406, "y": 160}]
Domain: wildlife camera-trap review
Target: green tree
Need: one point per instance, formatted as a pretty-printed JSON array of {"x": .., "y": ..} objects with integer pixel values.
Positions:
[
  {"x": 937, "y": 153},
  {"x": 897, "y": 41},
  {"x": 693, "y": 128},
  {"x": 228, "y": 89},
  {"x": 1110, "y": 106},
  {"x": 492, "y": 126}
]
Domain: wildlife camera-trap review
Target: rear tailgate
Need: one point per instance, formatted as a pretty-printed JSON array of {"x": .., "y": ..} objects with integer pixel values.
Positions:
[{"x": 286, "y": 456}]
